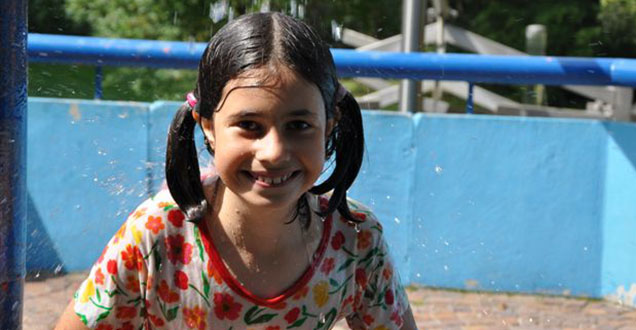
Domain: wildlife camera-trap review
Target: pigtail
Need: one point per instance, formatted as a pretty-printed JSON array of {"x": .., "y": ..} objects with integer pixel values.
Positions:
[
  {"x": 182, "y": 166},
  {"x": 348, "y": 145}
]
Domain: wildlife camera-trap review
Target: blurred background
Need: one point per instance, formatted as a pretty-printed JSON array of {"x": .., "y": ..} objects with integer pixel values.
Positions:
[{"x": 591, "y": 28}]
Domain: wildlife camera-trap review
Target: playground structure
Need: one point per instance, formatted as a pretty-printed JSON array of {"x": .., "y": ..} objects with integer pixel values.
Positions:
[{"x": 606, "y": 102}]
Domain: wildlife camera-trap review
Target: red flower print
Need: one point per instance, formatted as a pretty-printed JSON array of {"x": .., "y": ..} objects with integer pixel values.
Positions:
[
  {"x": 388, "y": 297},
  {"x": 194, "y": 317},
  {"x": 273, "y": 327},
  {"x": 176, "y": 217},
  {"x": 125, "y": 312},
  {"x": 346, "y": 302},
  {"x": 178, "y": 250},
  {"x": 163, "y": 204},
  {"x": 166, "y": 294},
  {"x": 139, "y": 213},
  {"x": 111, "y": 267},
  {"x": 302, "y": 293},
  {"x": 327, "y": 266},
  {"x": 101, "y": 256},
  {"x": 132, "y": 257},
  {"x": 225, "y": 307},
  {"x": 157, "y": 321},
  {"x": 396, "y": 318},
  {"x": 99, "y": 277},
  {"x": 359, "y": 215},
  {"x": 357, "y": 300},
  {"x": 154, "y": 224},
  {"x": 279, "y": 306},
  {"x": 361, "y": 278},
  {"x": 132, "y": 283},
  {"x": 212, "y": 272},
  {"x": 337, "y": 240},
  {"x": 292, "y": 315},
  {"x": 368, "y": 319},
  {"x": 364, "y": 239},
  {"x": 120, "y": 233},
  {"x": 387, "y": 272},
  {"x": 181, "y": 280},
  {"x": 149, "y": 282},
  {"x": 126, "y": 326},
  {"x": 104, "y": 326}
]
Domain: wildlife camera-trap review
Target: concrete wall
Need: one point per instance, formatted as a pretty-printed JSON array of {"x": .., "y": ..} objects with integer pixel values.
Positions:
[{"x": 475, "y": 202}]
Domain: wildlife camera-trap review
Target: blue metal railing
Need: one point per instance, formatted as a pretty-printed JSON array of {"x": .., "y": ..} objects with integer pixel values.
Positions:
[{"x": 523, "y": 70}]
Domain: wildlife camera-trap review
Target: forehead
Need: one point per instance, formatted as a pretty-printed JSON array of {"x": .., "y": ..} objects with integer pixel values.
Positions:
[{"x": 268, "y": 89}]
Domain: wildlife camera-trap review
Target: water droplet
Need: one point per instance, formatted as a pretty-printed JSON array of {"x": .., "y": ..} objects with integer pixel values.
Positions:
[
  {"x": 446, "y": 267},
  {"x": 357, "y": 228},
  {"x": 585, "y": 248},
  {"x": 322, "y": 317},
  {"x": 446, "y": 243},
  {"x": 57, "y": 269},
  {"x": 388, "y": 196},
  {"x": 438, "y": 169},
  {"x": 396, "y": 220},
  {"x": 418, "y": 275}
]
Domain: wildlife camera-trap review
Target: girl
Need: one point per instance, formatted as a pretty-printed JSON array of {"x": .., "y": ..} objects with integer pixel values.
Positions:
[{"x": 257, "y": 245}]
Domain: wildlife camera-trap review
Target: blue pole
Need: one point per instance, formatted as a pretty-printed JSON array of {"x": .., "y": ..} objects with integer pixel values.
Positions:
[
  {"x": 98, "y": 82},
  {"x": 469, "y": 99},
  {"x": 13, "y": 106}
]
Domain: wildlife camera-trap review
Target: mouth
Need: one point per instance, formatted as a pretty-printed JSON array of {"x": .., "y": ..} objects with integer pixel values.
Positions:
[{"x": 269, "y": 180}]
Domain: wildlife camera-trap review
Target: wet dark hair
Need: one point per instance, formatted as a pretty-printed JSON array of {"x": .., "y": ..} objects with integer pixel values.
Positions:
[{"x": 252, "y": 42}]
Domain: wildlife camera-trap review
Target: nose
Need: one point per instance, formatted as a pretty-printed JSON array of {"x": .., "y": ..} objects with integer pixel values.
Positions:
[{"x": 272, "y": 148}]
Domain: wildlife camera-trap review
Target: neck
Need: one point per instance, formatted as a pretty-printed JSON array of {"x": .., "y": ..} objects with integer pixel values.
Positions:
[{"x": 248, "y": 227}]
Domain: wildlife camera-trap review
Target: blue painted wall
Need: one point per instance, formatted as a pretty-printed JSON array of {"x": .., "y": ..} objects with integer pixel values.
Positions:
[
  {"x": 86, "y": 171},
  {"x": 476, "y": 202},
  {"x": 619, "y": 215},
  {"x": 508, "y": 203}
]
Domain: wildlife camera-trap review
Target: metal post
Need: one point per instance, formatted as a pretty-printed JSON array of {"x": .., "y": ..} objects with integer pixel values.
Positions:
[
  {"x": 441, "y": 11},
  {"x": 536, "y": 43},
  {"x": 469, "y": 100},
  {"x": 13, "y": 105},
  {"x": 411, "y": 41},
  {"x": 98, "y": 82}
]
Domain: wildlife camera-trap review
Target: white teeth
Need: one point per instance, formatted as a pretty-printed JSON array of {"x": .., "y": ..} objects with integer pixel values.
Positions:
[{"x": 277, "y": 180}]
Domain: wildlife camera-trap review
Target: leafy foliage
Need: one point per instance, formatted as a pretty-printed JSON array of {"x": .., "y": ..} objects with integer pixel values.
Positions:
[{"x": 575, "y": 28}]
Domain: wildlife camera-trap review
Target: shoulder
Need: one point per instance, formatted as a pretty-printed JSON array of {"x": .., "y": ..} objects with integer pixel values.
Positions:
[
  {"x": 363, "y": 234},
  {"x": 156, "y": 218}
]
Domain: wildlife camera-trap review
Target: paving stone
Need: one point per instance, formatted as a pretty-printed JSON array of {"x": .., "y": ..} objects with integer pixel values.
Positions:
[{"x": 46, "y": 298}]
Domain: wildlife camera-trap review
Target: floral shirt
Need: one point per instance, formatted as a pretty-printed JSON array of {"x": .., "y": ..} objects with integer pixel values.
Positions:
[{"x": 160, "y": 271}]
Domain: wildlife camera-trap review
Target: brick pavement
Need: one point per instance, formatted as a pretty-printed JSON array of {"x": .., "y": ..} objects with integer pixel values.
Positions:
[{"x": 45, "y": 299}]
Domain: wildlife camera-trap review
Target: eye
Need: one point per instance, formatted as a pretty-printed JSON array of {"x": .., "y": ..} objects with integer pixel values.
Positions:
[
  {"x": 298, "y": 125},
  {"x": 248, "y": 125}
]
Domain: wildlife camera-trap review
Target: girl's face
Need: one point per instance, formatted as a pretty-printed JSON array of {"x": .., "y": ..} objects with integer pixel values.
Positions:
[{"x": 269, "y": 137}]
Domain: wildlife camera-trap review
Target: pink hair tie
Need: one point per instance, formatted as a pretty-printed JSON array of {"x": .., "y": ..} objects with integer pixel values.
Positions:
[{"x": 192, "y": 101}]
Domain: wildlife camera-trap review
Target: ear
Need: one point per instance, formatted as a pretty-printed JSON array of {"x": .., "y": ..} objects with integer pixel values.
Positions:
[
  {"x": 331, "y": 123},
  {"x": 207, "y": 126}
]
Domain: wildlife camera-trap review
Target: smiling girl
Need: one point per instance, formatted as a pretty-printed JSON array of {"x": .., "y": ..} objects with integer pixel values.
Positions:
[{"x": 258, "y": 245}]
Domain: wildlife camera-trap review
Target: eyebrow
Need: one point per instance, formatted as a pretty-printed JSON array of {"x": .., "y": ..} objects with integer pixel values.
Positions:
[{"x": 253, "y": 113}]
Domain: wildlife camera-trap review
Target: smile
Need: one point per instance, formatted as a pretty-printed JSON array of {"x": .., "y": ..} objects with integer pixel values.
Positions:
[{"x": 272, "y": 181}]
